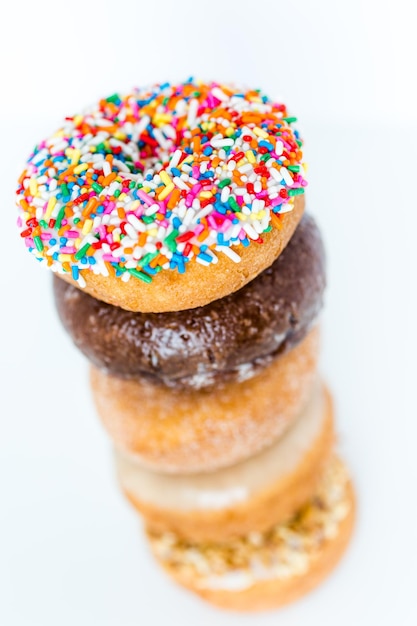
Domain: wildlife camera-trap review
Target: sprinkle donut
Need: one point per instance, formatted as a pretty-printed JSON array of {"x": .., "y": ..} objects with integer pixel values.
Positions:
[{"x": 154, "y": 201}]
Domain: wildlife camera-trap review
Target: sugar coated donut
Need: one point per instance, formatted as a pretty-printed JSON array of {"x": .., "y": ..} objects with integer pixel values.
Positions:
[
  {"x": 198, "y": 431},
  {"x": 249, "y": 496},
  {"x": 228, "y": 339},
  {"x": 158, "y": 200},
  {"x": 266, "y": 570}
]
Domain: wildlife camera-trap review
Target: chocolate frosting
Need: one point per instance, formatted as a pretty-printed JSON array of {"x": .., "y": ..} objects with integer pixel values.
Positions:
[{"x": 228, "y": 339}]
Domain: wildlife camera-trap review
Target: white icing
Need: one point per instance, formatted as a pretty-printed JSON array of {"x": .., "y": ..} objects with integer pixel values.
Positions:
[
  {"x": 237, "y": 580},
  {"x": 232, "y": 581}
]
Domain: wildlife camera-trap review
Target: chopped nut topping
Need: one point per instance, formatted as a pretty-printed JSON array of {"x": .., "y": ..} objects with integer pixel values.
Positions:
[{"x": 282, "y": 552}]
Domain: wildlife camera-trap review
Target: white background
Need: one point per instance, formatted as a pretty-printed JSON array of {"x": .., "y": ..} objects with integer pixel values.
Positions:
[{"x": 70, "y": 548}]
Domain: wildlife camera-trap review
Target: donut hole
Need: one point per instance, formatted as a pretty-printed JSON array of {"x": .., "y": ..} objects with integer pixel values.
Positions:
[
  {"x": 146, "y": 142},
  {"x": 152, "y": 158}
]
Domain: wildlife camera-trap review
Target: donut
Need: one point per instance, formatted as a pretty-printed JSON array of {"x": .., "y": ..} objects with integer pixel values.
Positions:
[
  {"x": 248, "y": 497},
  {"x": 267, "y": 570},
  {"x": 166, "y": 198},
  {"x": 199, "y": 431},
  {"x": 230, "y": 339}
]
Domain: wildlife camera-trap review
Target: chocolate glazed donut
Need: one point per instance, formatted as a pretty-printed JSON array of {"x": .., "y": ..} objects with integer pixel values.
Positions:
[{"x": 229, "y": 339}]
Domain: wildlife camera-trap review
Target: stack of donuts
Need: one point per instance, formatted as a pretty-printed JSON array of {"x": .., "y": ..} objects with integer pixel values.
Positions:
[{"x": 189, "y": 275}]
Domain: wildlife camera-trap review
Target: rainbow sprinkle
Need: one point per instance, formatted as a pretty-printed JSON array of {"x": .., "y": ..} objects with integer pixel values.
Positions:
[{"x": 148, "y": 181}]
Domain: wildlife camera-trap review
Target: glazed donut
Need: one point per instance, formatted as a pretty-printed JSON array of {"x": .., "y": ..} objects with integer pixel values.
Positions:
[
  {"x": 158, "y": 200},
  {"x": 227, "y": 340},
  {"x": 199, "y": 431},
  {"x": 251, "y": 496},
  {"x": 266, "y": 570}
]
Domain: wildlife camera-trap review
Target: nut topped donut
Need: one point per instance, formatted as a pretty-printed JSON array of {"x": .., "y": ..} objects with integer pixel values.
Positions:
[{"x": 167, "y": 198}]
